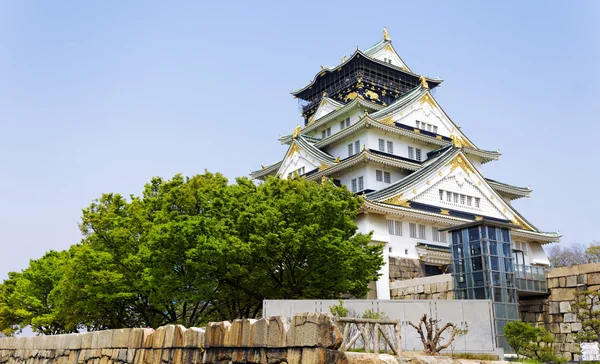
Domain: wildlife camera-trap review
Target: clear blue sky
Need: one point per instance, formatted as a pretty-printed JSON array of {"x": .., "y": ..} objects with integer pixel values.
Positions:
[{"x": 99, "y": 96}]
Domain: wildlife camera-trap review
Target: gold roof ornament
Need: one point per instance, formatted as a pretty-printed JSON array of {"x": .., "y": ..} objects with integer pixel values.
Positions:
[
  {"x": 424, "y": 82},
  {"x": 296, "y": 131},
  {"x": 323, "y": 179},
  {"x": 386, "y": 35},
  {"x": 456, "y": 140},
  {"x": 343, "y": 59},
  {"x": 337, "y": 160}
]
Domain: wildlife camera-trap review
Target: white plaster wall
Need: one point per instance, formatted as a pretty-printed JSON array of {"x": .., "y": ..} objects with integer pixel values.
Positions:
[
  {"x": 377, "y": 224},
  {"x": 460, "y": 183},
  {"x": 340, "y": 147},
  {"x": 537, "y": 254},
  {"x": 404, "y": 246},
  {"x": 355, "y": 172},
  {"x": 424, "y": 112},
  {"x": 368, "y": 172},
  {"x": 383, "y": 53},
  {"x": 354, "y": 116},
  {"x": 298, "y": 160}
]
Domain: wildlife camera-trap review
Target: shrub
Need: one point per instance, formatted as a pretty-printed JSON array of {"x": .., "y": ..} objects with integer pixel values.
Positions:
[{"x": 532, "y": 342}]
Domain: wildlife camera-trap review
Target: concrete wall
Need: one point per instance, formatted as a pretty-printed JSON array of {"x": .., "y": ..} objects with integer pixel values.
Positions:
[
  {"x": 426, "y": 288},
  {"x": 475, "y": 314},
  {"x": 554, "y": 311}
]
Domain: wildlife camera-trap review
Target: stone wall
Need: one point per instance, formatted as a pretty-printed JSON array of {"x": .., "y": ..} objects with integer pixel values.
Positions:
[
  {"x": 554, "y": 311},
  {"x": 404, "y": 268},
  {"x": 427, "y": 288},
  {"x": 306, "y": 338}
]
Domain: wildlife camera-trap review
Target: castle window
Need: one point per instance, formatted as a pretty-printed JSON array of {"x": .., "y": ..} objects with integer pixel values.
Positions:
[
  {"x": 395, "y": 227},
  {"x": 441, "y": 195},
  {"x": 344, "y": 123},
  {"x": 412, "y": 227},
  {"x": 361, "y": 185},
  {"x": 477, "y": 202},
  {"x": 357, "y": 147},
  {"x": 421, "y": 231},
  {"x": 439, "y": 236},
  {"x": 418, "y": 154},
  {"x": 469, "y": 200},
  {"x": 325, "y": 133},
  {"x": 353, "y": 183},
  {"x": 462, "y": 199},
  {"x": 379, "y": 176},
  {"x": 435, "y": 129},
  {"x": 411, "y": 153},
  {"x": 390, "y": 147},
  {"x": 455, "y": 197},
  {"x": 449, "y": 196},
  {"x": 381, "y": 145},
  {"x": 387, "y": 177},
  {"x": 350, "y": 152}
]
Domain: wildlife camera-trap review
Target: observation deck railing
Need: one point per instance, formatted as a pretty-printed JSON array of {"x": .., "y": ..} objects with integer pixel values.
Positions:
[{"x": 531, "y": 278}]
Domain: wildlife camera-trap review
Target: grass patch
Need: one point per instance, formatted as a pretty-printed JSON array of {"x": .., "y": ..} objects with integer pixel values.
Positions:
[{"x": 473, "y": 356}]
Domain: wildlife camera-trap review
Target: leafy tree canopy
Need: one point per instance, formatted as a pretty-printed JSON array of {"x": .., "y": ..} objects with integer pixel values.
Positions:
[{"x": 190, "y": 250}]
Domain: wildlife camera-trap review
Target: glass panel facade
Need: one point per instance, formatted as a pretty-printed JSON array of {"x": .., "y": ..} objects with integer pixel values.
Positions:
[{"x": 483, "y": 268}]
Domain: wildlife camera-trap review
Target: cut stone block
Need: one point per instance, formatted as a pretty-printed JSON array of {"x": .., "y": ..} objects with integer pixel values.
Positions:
[{"x": 314, "y": 330}]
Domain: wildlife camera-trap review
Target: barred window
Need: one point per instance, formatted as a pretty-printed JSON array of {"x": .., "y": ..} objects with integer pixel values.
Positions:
[
  {"x": 357, "y": 147},
  {"x": 390, "y": 147},
  {"x": 411, "y": 153},
  {"x": 387, "y": 177},
  {"x": 395, "y": 227},
  {"x": 379, "y": 176},
  {"x": 421, "y": 231},
  {"x": 441, "y": 195},
  {"x": 361, "y": 185},
  {"x": 381, "y": 145},
  {"x": 350, "y": 153},
  {"x": 477, "y": 200},
  {"x": 418, "y": 154},
  {"x": 413, "y": 229},
  {"x": 439, "y": 236},
  {"x": 455, "y": 197}
]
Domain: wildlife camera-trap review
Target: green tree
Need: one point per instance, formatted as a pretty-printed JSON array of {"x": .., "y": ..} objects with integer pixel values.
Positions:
[
  {"x": 190, "y": 250},
  {"x": 26, "y": 298},
  {"x": 593, "y": 252},
  {"x": 530, "y": 341},
  {"x": 586, "y": 309}
]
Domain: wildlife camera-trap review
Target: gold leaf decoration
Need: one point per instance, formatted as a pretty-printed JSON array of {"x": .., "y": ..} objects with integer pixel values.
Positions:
[
  {"x": 388, "y": 121},
  {"x": 350, "y": 96},
  {"x": 459, "y": 162},
  {"x": 372, "y": 95},
  {"x": 398, "y": 201},
  {"x": 427, "y": 99},
  {"x": 445, "y": 212},
  {"x": 478, "y": 218}
]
